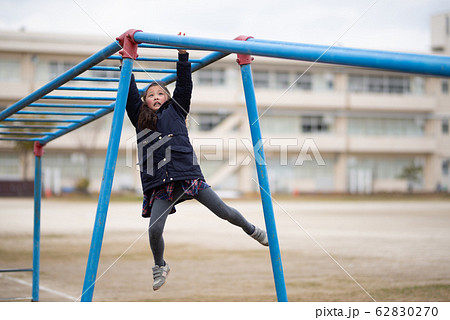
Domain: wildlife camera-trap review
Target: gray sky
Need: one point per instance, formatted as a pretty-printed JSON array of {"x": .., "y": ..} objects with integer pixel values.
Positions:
[{"x": 400, "y": 25}]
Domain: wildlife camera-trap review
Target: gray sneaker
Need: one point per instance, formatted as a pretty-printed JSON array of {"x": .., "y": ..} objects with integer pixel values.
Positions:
[
  {"x": 159, "y": 276},
  {"x": 260, "y": 236}
]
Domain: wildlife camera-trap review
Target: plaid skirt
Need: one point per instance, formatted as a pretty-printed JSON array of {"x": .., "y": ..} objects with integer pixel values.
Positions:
[{"x": 165, "y": 192}]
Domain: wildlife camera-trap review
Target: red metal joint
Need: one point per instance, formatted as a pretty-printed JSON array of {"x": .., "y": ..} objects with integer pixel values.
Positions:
[
  {"x": 128, "y": 44},
  {"x": 38, "y": 149},
  {"x": 244, "y": 58}
]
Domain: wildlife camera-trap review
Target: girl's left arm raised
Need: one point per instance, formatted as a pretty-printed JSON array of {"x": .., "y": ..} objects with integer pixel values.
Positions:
[{"x": 183, "y": 89}]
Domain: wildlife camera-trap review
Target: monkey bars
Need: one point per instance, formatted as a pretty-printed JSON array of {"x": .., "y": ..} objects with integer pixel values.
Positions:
[
  {"x": 46, "y": 121},
  {"x": 45, "y": 115}
]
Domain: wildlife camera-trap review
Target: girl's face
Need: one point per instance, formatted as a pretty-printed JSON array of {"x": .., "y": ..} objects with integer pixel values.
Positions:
[{"x": 155, "y": 97}]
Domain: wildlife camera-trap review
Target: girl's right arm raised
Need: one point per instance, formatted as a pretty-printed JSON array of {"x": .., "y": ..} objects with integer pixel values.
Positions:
[{"x": 133, "y": 102}]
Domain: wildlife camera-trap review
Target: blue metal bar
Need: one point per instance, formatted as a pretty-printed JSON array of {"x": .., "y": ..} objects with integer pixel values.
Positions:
[
  {"x": 340, "y": 50},
  {"x": 156, "y": 70},
  {"x": 42, "y": 120},
  {"x": 109, "y": 79},
  {"x": 164, "y": 59},
  {"x": 153, "y": 59},
  {"x": 57, "y": 82},
  {"x": 136, "y": 70},
  {"x": 96, "y": 79},
  {"x": 76, "y": 106},
  {"x": 87, "y": 89},
  {"x": 152, "y": 46},
  {"x": 263, "y": 180},
  {"x": 108, "y": 175},
  {"x": 26, "y": 133},
  {"x": 144, "y": 81},
  {"x": 55, "y": 113},
  {"x": 385, "y": 60},
  {"x": 303, "y": 45},
  {"x": 79, "y": 98},
  {"x": 31, "y": 127},
  {"x": 37, "y": 226},
  {"x": 16, "y": 270},
  {"x": 19, "y": 139},
  {"x": 105, "y": 68}
]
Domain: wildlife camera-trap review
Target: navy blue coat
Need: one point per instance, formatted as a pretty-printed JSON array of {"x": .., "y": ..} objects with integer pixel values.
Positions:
[{"x": 166, "y": 155}]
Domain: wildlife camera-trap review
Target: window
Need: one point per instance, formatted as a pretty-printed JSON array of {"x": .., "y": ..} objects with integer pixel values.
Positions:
[
  {"x": 314, "y": 124},
  {"x": 375, "y": 84},
  {"x": 291, "y": 177},
  {"x": 397, "y": 84},
  {"x": 10, "y": 168},
  {"x": 304, "y": 82},
  {"x": 418, "y": 85},
  {"x": 298, "y": 80},
  {"x": 444, "y": 126},
  {"x": 355, "y": 83},
  {"x": 445, "y": 167},
  {"x": 379, "y": 84},
  {"x": 211, "y": 77},
  {"x": 208, "y": 121},
  {"x": 329, "y": 81},
  {"x": 386, "y": 127},
  {"x": 386, "y": 168},
  {"x": 282, "y": 80},
  {"x": 447, "y": 25},
  {"x": 444, "y": 86},
  {"x": 287, "y": 124},
  {"x": 9, "y": 70},
  {"x": 261, "y": 79}
]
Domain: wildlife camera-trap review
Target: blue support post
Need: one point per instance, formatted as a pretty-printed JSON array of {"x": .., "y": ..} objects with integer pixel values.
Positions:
[
  {"x": 263, "y": 179},
  {"x": 108, "y": 176},
  {"x": 38, "y": 152}
]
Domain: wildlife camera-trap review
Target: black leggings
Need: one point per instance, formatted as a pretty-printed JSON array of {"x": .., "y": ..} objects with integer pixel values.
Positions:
[{"x": 207, "y": 197}]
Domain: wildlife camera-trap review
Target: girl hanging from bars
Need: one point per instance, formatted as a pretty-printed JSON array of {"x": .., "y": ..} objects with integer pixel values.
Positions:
[{"x": 170, "y": 173}]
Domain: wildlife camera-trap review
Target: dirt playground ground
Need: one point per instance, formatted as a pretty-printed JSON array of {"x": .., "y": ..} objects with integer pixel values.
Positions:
[{"x": 331, "y": 251}]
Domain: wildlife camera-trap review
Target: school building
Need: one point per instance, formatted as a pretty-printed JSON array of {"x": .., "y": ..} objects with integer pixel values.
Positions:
[{"x": 326, "y": 129}]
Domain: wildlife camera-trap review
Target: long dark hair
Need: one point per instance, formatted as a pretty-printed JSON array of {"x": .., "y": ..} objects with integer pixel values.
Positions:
[{"x": 147, "y": 117}]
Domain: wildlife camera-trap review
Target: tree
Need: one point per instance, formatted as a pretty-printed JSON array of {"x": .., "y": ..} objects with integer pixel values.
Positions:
[{"x": 411, "y": 174}]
